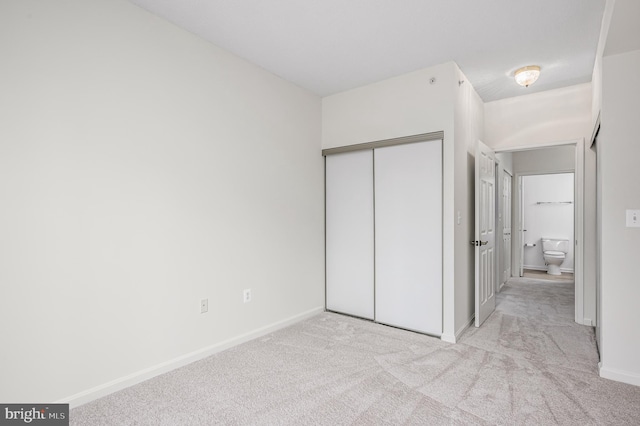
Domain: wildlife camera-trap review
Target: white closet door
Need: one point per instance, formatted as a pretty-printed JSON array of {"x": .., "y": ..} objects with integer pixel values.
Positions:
[
  {"x": 349, "y": 233},
  {"x": 408, "y": 232}
]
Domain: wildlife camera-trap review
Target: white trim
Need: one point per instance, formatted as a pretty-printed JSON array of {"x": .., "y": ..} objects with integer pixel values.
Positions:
[
  {"x": 544, "y": 268},
  {"x": 578, "y": 232},
  {"x": 449, "y": 338},
  {"x": 534, "y": 147},
  {"x": 164, "y": 367},
  {"x": 604, "y": 26},
  {"x": 464, "y": 327},
  {"x": 619, "y": 375},
  {"x": 454, "y": 338}
]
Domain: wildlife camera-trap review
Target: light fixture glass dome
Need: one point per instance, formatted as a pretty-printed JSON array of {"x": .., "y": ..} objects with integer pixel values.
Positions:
[{"x": 526, "y": 76}]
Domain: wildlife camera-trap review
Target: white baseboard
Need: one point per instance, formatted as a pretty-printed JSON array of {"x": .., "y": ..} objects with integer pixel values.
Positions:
[
  {"x": 534, "y": 268},
  {"x": 544, "y": 268},
  {"x": 631, "y": 378},
  {"x": 164, "y": 367},
  {"x": 587, "y": 321},
  {"x": 465, "y": 326},
  {"x": 451, "y": 338},
  {"x": 448, "y": 337}
]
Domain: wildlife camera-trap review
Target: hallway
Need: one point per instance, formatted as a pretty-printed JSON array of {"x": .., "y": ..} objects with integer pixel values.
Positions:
[
  {"x": 554, "y": 360},
  {"x": 534, "y": 319}
]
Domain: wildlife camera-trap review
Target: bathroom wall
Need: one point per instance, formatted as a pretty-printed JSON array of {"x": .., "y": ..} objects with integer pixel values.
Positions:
[{"x": 547, "y": 220}]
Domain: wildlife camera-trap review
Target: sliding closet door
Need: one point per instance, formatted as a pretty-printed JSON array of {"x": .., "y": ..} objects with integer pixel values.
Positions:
[
  {"x": 408, "y": 232},
  {"x": 349, "y": 233}
]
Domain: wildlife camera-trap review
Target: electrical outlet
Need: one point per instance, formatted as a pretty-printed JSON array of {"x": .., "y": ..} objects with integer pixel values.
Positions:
[
  {"x": 246, "y": 295},
  {"x": 204, "y": 306},
  {"x": 633, "y": 218}
]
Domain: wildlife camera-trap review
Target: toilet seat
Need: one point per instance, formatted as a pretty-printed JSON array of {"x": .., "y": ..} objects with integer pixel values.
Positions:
[{"x": 553, "y": 253}]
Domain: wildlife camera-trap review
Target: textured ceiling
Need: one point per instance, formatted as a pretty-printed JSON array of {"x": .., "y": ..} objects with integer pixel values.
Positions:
[{"x": 328, "y": 46}]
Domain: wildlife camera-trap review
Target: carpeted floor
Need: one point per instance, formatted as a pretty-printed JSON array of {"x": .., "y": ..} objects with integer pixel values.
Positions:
[{"x": 528, "y": 364}]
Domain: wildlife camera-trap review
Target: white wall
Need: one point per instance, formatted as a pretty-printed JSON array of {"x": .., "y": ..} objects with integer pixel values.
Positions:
[
  {"x": 547, "y": 220},
  {"x": 403, "y": 106},
  {"x": 141, "y": 170},
  {"x": 545, "y": 160},
  {"x": 506, "y": 161},
  {"x": 469, "y": 128},
  {"x": 596, "y": 91},
  {"x": 620, "y": 151},
  {"x": 540, "y": 118},
  {"x": 621, "y": 30}
]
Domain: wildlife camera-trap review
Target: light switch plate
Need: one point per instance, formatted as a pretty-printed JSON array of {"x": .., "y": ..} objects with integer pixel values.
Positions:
[{"x": 633, "y": 218}]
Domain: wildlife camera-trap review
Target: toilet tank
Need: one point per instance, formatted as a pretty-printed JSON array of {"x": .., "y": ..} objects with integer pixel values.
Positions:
[{"x": 553, "y": 244}]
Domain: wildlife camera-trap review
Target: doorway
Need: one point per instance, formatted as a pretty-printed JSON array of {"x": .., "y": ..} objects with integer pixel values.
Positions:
[
  {"x": 566, "y": 157},
  {"x": 547, "y": 212}
]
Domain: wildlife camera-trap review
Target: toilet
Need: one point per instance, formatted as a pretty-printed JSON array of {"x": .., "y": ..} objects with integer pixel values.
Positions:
[{"x": 554, "y": 251}]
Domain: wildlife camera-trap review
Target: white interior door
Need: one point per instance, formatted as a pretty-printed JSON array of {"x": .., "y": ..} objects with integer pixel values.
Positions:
[
  {"x": 506, "y": 225},
  {"x": 521, "y": 229},
  {"x": 408, "y": 232},
  {"x": 484, "y": 242},
  {"x": 349, "y": 233}
]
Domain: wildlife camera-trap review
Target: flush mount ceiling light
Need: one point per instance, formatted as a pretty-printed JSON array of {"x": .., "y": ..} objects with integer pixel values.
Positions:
[{"x": 526, "y": 76}]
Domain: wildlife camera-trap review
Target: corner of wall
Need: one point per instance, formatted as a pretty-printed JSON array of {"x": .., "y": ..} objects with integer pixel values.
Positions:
[{"x": 469, "y": 128}]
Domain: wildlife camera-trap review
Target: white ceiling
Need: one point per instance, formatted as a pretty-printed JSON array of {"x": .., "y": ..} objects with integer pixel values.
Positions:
[{"x": 328, "y": 46}]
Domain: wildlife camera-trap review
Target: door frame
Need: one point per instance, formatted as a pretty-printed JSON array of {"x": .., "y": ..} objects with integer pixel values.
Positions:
[
  {"x": 578, "y": 222},
  {"x": 501, "y": 262},
  {"x": 498, "y": 225}
]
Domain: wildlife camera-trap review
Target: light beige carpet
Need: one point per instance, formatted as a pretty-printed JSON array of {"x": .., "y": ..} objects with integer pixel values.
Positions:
[{"x": 528, "y": 364}]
